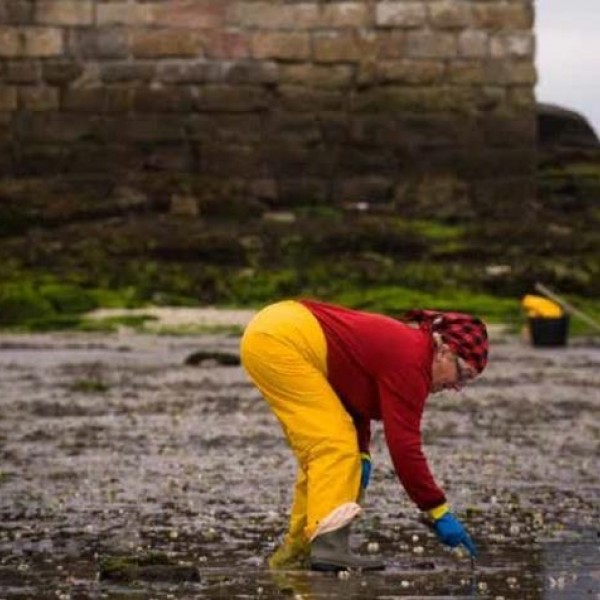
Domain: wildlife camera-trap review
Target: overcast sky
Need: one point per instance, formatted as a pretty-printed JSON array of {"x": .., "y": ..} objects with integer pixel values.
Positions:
[{"x": 568, "y": 55}]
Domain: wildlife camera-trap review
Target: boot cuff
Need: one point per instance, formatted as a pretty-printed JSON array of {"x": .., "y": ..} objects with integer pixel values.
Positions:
[{"x": 337, "y": 518}]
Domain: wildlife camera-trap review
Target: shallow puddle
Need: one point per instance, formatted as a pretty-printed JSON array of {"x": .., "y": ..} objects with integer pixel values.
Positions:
[{"x": 126, "y": 473}]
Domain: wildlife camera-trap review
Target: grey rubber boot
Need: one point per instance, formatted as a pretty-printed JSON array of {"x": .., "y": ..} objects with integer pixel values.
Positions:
[{"x": 331, "y": 552}]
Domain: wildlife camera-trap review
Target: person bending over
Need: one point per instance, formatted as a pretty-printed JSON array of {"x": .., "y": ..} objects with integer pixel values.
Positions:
[{"x": 326, "y": 372}]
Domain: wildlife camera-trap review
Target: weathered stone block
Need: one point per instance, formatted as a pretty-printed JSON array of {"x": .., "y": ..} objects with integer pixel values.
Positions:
[
  {"x": 336, "y": 46},
  {"x": 522, "y": 97},
  {"x": 143, "y": 129},
  {"x": 120, "y": 71},
  {"x": 56, "y": 128},
  {"x": 229, "y": 98},
  {"x": 42, "y": 41},
  {"x": 218, "y": 158},
  {"x": 300, "y": 126},
  {"x": 512, "y": 45},
  {"x": 87, "y": 100},
  {"x": 119, "y": 98},
  {"x": 450, "y": 14},
  {"x": 287, "y": 157},
  {"x": 346, "y": 14},
  {"x": 10, "y": 42},
  {"x": 404, "y": 15},
  {"x": 188, "y": 71},
  {"x": 8, "y": 98},
  {"x": 474, "y": 44},
  {"x": 99, "y": 99},
  {"x": 502, "y": 130},
  {"x": 233, "y": 128},
  {"x": 392, "y": 44},
  {"x": 61, "y": 71},
  {"x": 411, "y": 71},
  {"x": 280, "y": 45},
  {"x": 251, "y": 72},
  {"x": 489, "y": 97},
  {"x": 64, "y": 12},
  {"x": 523, "y": 73},
  {"x": 375, "y": 130},
  {"x": 505, "y": 15},
  {"x": 318, "y": 76},
  {"x": 303, "y": 98},
  {"x": 38, "y": 98},
  {"x": 166, "y": 43},
  {"x": 467, "y": 72},
  {"x": 227, "y": 44},
  {"x": 504, "y": 72},
  {"x": 166, "y": 99},
  {"x": 22, "y": 71},
  {"x": 16, "y": 12},
  {"x": 418, "y": 99},
  {"x": 194, "y": 14},
  {"x": 424, "y": 44},
  {"x": 124, "y": 13},
  {"x": 101, "y": 42},
  {"x": 269, "y": 15}
]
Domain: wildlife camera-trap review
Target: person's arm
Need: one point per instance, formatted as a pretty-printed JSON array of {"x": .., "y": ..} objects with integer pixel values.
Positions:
[
  {"x": 401, "y": 408},
  {"x": 402, "y": 426}
]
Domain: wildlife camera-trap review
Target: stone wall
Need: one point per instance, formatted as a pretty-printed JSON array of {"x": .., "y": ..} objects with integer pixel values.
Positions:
[{"x": 400, "y": 104}]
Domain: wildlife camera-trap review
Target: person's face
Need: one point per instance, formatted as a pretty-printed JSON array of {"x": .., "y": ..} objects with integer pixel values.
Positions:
[{"x": 449, "y": 371}]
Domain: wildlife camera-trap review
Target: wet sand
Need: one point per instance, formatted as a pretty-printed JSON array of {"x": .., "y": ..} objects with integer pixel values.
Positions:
[{"x": 127, "y": 473}]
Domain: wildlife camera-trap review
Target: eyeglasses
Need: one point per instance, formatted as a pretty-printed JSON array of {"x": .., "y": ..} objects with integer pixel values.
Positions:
[{"x": 463, "y": 373}]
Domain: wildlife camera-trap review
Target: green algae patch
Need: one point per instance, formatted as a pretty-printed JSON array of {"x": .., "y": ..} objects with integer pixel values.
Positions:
[
  {"x": 90, "y": 386},
  {"x": 148, "y": 567},
  {"x": 397, "y": 300}
]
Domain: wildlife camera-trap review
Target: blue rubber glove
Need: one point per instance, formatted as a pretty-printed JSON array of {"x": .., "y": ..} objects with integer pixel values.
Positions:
[
  {"x": 365, "y": 470},
  {"x": 451, "y": 532}
]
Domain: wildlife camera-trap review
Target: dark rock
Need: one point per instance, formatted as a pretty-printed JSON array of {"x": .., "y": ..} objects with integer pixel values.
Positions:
[
  {"x": 560, "y": 127},
  {"x": 220, "y": 358}
]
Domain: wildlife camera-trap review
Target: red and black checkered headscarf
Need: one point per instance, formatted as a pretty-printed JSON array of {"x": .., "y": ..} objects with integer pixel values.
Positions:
[{"x": 464, "y": 334}]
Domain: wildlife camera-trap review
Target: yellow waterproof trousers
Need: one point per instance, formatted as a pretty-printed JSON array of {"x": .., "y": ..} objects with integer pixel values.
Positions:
[{"x": 284, "y": 352}]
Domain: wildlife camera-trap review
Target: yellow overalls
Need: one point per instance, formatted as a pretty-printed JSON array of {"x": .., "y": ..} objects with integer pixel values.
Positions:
[{"x": 284, "y": 352}]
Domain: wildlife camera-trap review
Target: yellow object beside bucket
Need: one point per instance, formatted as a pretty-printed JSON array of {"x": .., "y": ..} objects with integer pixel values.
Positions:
[{"x": 539, "y": 307}]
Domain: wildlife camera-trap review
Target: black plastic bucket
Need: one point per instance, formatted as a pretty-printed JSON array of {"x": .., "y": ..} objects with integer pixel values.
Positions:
[{"x": 547, "y": 331}]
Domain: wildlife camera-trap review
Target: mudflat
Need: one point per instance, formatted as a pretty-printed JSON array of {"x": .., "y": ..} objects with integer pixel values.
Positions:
[{"x": 147, "y": 466}]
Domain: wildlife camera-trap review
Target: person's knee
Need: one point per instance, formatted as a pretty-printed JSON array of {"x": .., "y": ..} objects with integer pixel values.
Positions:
[{"x": 337, "y": 450}]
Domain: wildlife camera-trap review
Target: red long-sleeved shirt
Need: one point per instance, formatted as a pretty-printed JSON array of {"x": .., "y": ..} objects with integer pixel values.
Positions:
[{"x": 381, "y": 369}]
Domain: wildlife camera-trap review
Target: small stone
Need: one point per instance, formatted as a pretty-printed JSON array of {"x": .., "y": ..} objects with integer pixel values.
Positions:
[{"x": 373, "y": 547}]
